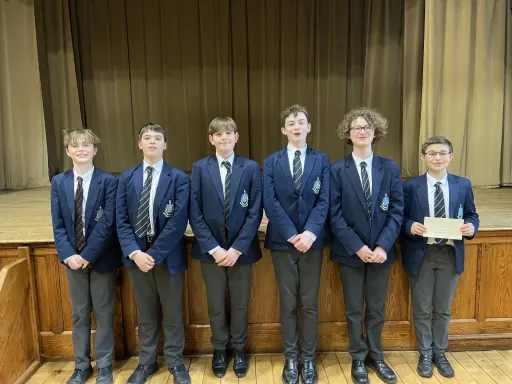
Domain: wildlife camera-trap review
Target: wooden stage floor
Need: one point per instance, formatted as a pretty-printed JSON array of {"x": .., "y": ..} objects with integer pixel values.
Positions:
[
  {"x": 25, "y": 215},
  {"x": 333, "y": 368}
]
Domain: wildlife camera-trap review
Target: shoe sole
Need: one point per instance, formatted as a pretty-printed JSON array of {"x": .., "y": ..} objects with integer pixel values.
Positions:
[
  {"x": 284, "y": 382},
  {"x": 423, "y": 375},
  {"x": 445, "y": 375},
  {"x": 355, "y": 382},
  {"x": 314, "y": 382}
]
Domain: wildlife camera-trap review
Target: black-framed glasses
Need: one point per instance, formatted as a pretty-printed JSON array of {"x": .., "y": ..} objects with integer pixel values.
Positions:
[
  {"x": 433, "y": 154},
  {"x": 366, "y": 128}
]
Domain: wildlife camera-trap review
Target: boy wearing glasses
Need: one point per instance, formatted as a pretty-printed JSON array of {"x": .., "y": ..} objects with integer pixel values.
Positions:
[
  {"x": 365, "y": 216},
  {"x": 434, "y": 265}
]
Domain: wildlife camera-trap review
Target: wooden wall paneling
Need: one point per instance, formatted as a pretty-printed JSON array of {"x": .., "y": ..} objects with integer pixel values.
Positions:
[
  {"x": 18, "y": 350},
  {"x": 464, "y": 302}
]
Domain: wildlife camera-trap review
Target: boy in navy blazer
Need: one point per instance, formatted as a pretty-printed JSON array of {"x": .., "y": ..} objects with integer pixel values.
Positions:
[
  {"x": 152, "y": 216},
  {"x": 225, "y": 213},
  {"x": 433, "y": 264},
  {"x": 365, "y": 217},
  {"x": 83, "y": 202},
  {"x": 296, "y": 202}
]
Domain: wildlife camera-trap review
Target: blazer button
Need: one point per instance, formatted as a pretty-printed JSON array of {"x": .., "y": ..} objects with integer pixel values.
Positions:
[{"x": 300, "y": 197}]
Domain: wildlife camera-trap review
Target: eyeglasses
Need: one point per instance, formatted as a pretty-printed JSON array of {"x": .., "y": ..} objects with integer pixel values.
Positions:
[
  {"x": 366, "y": 128},
  {"x": 433, "y": 154}
]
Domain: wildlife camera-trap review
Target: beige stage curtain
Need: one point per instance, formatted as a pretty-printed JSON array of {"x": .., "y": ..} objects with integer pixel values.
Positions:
[
  {"x": 58, "y": 78},
  {"x": 506, "y": 163},
  {"x": 464, "y": 83},
  {"x": 23, "y": 154}
]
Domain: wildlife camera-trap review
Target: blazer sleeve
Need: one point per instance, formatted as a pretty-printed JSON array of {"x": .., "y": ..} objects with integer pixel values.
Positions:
[
  {"x": 470, "y": 215},
  {"x": 64, "y": 247},
  {"x": 407, "y": 220},
  {"x": 318, "y": 216},
  {"x": 394, "y": 218},
  {"x": 339, "y": 228},
  {"x": 176, "y": 226},
  {"x": 100, "y": 237},
  {"x": 273, "y": 209},
  {"x": 125, "y": 231},
  {"x": 248, "y": 231},
  {"x": 202, "y": 231}
]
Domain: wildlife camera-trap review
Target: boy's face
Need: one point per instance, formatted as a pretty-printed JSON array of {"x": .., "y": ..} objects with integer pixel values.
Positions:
[
  {"x": 81, "y": 152},
  {"x": 224, "y": 141},
  {"x": 365, "y": 136},
  {"x": 437, "y": 157},
  {"x": 296, "y": 128},
  {"x": 153, "y": 145}
]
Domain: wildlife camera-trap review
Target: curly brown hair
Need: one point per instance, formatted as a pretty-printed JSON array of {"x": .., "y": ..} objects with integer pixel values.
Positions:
[
  {"x": 372, "y": 117},
  {"x": 294, "y": 110}
]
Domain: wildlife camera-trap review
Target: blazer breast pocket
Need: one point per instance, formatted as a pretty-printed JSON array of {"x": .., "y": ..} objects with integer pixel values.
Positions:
[{"x": 383, "y": 201}]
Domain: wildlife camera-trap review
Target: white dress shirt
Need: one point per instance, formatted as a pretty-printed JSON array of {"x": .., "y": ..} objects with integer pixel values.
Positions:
[
  {"x": 157, "y": 171},
  {"x": 223, "y": 173},
  {"x": 291, "y": 155},
  {"x": 368, "y": 162},
  {"x": 431, "y": 185}
]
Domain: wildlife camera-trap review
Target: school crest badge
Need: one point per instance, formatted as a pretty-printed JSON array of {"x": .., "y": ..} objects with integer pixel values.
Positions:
[
  {"x": 244, "y": 200},
  {"x": 385, "y": 203},
  {"x": 99, "y": 213},
  {"x": 169, "y": 210},
  {"x": 460, "y": 212},
  {"x": 316, "y": 186}
]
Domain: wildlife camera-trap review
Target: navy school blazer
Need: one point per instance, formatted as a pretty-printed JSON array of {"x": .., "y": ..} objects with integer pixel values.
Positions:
[
  {"x": 101, "y": 249},
  {"x": 291, "y": 211},
  {"x": 172, "y": 193},
  {"x": 349, "y": 225},
  {"x": 207, "y": 209},
  {"x": 416, "y": 208}
]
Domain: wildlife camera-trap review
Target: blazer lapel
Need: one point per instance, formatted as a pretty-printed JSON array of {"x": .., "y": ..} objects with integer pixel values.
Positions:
[
  {"x": 422, "y": 192},
  {"x": 213, "y": 170},
  {"x": 161, "y": 189},
  {"x": 376, "y": 181},
  {"x": 236, "y": 177},
  {"x": 353, "y": 176},
  {"x": 94, "y": 189},
  {"x": 454, "y": 188},
  {"x": 69, "y": 185},
  {"x": 284, "y": 164},
  {"x": 137, "y": 183},
  {"x": 309, "y": 162}
]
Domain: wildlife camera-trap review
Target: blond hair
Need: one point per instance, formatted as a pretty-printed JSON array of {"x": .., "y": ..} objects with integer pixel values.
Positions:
[
  {"x": 80, "y": 135},
  {"x": 221, "y": 124}
]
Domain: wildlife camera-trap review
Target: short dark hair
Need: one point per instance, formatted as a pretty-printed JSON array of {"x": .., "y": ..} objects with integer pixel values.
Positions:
[
  {"x": 372, "y": 117},
  {"x": 220, "y": 124},
  {"x": 152, "y": 127},
  {"x": 436, "y": 140},
  {"x": 294, "y": 110}
]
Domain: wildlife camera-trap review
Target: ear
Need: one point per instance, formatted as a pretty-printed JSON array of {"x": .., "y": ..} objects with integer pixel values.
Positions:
[
  {"x": 236, "y": 137},
  {"x": 309, "y": 127},
  {"x": 283, "y": 130},
  {"x": 210, "y": 137},
  {"x": 140, "y": 144}
]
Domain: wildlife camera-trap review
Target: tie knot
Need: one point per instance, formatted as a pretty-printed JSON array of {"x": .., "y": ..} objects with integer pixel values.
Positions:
[
  {"x": 227, "y": 164},
  {"x": 297, "y": 153},
  {"x": 79, "y": 179},
  {"x": 438, "y": 185},
  {"x": 363, "y": 164},
  {"x": 149, "y": 170}
]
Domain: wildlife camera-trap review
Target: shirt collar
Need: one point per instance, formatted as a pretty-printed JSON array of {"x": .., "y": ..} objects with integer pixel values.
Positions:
[
  {"x": 291, "y": 149},
  {"x": 156, "y": 167},
  {"x": 431, "y": 180},
  {"x": 368, "y": 161},
  {"x": 86, "y": 177},
  {"x": 220, "y": 159}
]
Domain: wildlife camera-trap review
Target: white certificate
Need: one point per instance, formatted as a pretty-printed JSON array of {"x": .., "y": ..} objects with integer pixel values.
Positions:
[{"x": 442, "y": 228}]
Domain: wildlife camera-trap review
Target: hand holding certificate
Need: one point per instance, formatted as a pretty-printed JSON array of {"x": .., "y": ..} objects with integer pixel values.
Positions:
[{"x": 442, "y": 228}]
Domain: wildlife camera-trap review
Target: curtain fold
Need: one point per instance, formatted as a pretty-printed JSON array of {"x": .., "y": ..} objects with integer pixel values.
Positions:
[{"x": 23, "y": 154}]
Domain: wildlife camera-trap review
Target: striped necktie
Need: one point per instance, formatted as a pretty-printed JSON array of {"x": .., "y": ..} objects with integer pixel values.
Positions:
[
  {"x": 366, "y": 189},
  {"x": 143, "y": 225},
  {"x": 297, "y": 170},
  {"x": 79, "y": 222},
  {"x": 227, "y": 187},
  {"x": 439, "y": 208}
]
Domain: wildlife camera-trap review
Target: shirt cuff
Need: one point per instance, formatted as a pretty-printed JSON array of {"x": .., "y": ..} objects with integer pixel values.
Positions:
[
  {"x": 311, "y": 234},
  {"x": 239, "y": 253},
  {"x": 65, "y": 261},
  {"x": 130, "y": 256},
  {"x": 291, "y": 238},
  {"x": 212, "y": 251}
]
